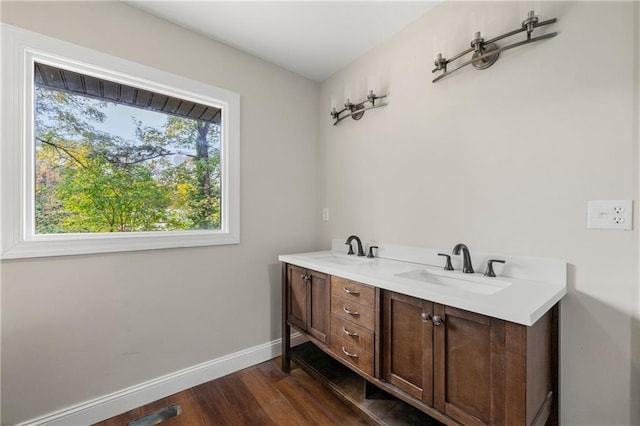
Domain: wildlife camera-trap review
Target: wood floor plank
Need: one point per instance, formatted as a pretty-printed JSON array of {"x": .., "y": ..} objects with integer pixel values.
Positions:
[
  {"x": 315, "y": 402},
  {"x": 259, "y": 395},
  {"x": 272, "y": 401},
  {"x": 234, "y": 402},
  {"x": 272, "y": 370},
  {"x": 191, "y": 415}
]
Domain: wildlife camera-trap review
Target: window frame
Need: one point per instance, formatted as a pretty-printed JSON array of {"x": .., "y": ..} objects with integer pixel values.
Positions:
[{"x": 20, "y": 50}]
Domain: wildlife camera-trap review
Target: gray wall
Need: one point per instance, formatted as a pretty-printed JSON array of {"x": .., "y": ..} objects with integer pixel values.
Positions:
[
  {"x": 505, "y": 160},
  {"x": 76, "y": 328}
]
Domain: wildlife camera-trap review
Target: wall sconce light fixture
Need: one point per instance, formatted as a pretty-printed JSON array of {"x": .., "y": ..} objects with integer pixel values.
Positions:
[
  {"x": 486, "y": 52},
  {"x": 356, "y": 111}
]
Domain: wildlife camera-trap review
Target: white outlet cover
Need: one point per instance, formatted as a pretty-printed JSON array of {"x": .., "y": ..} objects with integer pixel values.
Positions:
[{"x": 610, "y": 214}]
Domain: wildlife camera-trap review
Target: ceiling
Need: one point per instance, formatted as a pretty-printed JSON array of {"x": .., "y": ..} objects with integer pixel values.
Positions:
[{"x": 311, "y": 38}]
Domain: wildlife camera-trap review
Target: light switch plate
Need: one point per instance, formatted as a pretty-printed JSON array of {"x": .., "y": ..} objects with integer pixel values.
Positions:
[{"x": 610, "y": 214}]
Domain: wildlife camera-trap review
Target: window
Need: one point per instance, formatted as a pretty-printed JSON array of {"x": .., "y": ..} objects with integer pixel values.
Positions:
[
  {"x": 113, "y": 158},
  {"x": 101, "y": 154}
]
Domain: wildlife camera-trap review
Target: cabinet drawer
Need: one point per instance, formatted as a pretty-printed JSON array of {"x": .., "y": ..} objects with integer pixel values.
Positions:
[
  {"x": 354, "y": 291},
  {"x": 353, "y": 333},
  {"x": 353, "y": 354},
  {"x": 351, "y": 311}
]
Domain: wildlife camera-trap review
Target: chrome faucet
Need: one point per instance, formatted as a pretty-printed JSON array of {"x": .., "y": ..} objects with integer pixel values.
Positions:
[
  {"x": 360, "y": 249},
  {"x": 467, "y": 268}
]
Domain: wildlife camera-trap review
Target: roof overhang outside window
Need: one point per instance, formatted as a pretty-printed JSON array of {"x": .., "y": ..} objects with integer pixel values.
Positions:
[{"x": 97, "y": 88}]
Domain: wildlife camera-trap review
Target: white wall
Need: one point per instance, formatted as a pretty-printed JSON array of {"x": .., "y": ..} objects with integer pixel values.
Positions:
[
  {"x": 505, "y": 160},
  {"x": 76, "y": 328}
]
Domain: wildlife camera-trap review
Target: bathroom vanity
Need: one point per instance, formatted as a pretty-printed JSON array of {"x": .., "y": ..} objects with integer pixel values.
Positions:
[{"x": 463, "y": 348}]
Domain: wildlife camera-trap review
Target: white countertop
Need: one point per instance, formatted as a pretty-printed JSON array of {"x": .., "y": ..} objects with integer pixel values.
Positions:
[{"x": 512, "y": 299}]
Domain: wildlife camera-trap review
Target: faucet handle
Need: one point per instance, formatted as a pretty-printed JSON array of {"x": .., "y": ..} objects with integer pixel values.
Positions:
[
  {"x": 350, "y": 248},
  {"x": 370, "y": 255},
  {"x": 447, "y": 266},
  {"x": 489, "y": 272}
]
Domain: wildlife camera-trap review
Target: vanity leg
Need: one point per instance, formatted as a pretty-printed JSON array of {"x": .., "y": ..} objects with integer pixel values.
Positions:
[
  {"x": 286, "y": 347},
  {"x": 286, "y": 329},
  {"x": 555, "y": 343}
]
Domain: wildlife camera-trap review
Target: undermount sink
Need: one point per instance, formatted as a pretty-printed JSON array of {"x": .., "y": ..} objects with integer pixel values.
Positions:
[
  {"x": 473, "y": 283},
  {"x": 344, "y": 259}
]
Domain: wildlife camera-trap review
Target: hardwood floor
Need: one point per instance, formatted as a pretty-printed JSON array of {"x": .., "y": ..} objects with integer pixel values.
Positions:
[{"x": 259, "y": 395}]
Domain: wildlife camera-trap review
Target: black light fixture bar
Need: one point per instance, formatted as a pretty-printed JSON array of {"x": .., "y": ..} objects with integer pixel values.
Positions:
[{"x": 486, "y": 52}]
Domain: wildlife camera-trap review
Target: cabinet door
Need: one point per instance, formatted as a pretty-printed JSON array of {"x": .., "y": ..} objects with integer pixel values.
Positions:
[
  {"x": 318, "y": 305},
  {"x": 469, "y": 366},
  {"x": 407, "y": 354},
  {"x": 297, "y": 297}
]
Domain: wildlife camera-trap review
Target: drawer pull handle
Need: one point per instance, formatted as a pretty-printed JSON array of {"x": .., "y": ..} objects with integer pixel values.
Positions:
[
  {"x": 349, "y": 333},
  {"x": 353, "y": 292},
  {"x": 349, "y": 354},
  {"x": 347, "y": 311}
]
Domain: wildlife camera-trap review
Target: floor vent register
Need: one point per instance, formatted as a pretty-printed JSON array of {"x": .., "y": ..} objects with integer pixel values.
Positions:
[{"x": 157, "y": 416}]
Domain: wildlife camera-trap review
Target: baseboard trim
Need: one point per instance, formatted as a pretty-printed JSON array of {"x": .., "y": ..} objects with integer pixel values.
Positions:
[{"x": 115, "y": 403}]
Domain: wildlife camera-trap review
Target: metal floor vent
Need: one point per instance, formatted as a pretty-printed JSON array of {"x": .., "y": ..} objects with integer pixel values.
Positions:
[{"x": 158, "y": 416}]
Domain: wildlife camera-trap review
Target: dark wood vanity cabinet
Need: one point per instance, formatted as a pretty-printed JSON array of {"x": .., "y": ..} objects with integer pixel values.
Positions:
[
  {"x": 407, "y": 344},
  {"x": 353, "y": 323},
  {"x": 459, "y": 367},
  {"x": 475, "y": 369},
  {"x": 307, "y": 303},
  {"x": 450, "y": 359},
  {"x": 469, "y": 366}
]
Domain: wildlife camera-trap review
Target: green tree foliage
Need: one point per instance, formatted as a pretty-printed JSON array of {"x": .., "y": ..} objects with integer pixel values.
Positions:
[
  {"x": 92, "y": 181},
  {"x": 196, "y": 181},
  {"x": 103, "y": 197}
]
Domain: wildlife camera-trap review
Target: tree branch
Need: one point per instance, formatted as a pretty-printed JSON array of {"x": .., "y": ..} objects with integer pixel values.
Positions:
[
  {"x": 63, "y": 149},
  {"x": 164, "y": 154}
]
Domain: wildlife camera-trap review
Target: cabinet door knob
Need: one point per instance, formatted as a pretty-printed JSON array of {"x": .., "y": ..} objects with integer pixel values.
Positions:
[
  {"x": 349, "y": 354},
  {"x": 350, "y": 333},
  {"x": 348, "y": 291},
  {"x": 437, "y": 320},
  {"x": 349, "y": 312},
  {"x": 425, "y": 316}
]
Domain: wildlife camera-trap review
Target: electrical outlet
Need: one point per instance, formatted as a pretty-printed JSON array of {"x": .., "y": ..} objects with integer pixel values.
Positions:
[
  {"x": 619, "y": 220},
  {"x": 610, "y": 214},
  {"x": 325, "y": 214}
]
